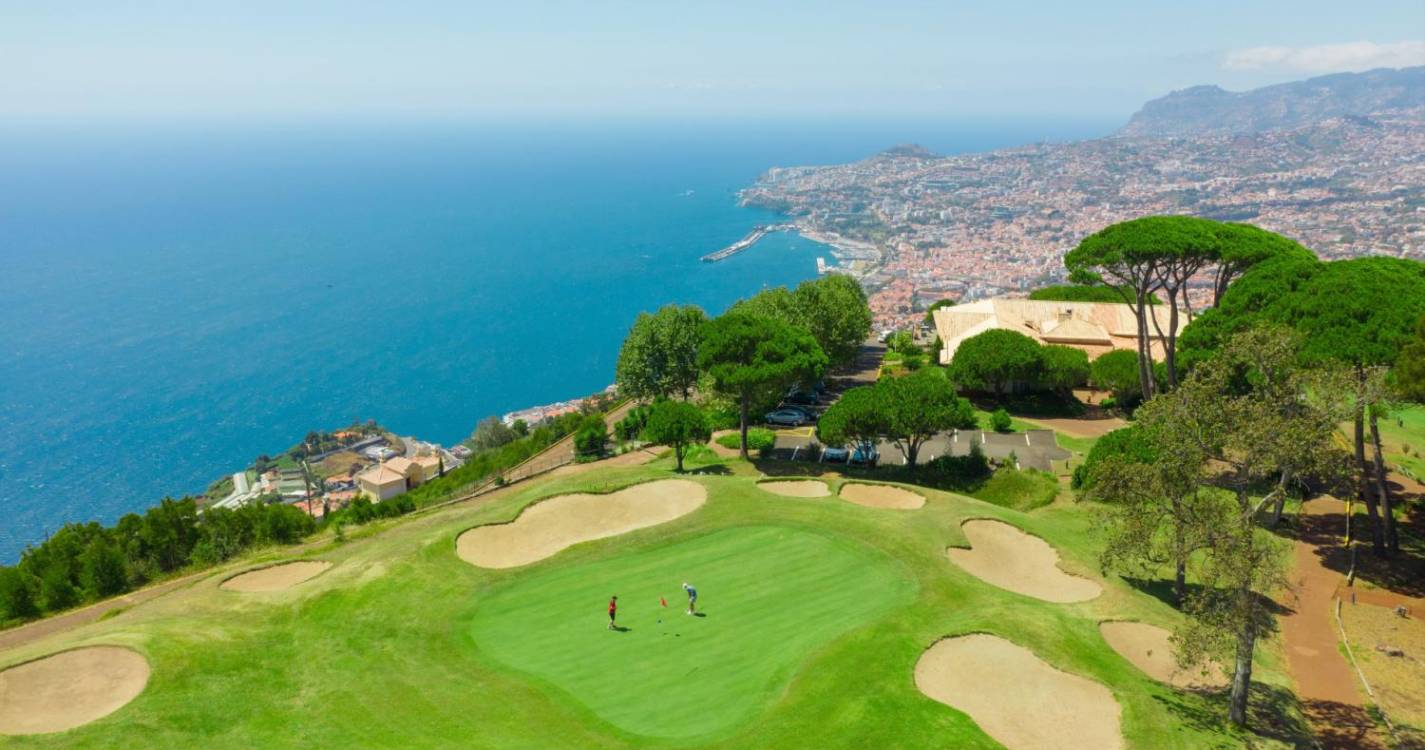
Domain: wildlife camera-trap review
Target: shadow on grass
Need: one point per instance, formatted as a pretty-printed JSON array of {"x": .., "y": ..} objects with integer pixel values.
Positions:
[
  {"x": 1273, "y": 712},
  {"x": 1162, "y": 590}
]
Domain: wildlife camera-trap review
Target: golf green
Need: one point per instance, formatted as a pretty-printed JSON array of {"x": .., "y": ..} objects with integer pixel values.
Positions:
[{"x": 769, "y": 596}]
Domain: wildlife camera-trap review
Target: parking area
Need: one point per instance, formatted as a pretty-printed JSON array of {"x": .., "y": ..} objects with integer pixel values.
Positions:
[{"x": 1035, "y": 449}]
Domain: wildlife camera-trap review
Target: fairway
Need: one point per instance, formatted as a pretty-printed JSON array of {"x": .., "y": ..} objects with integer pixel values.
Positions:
[{"x": 771, "y": 595}]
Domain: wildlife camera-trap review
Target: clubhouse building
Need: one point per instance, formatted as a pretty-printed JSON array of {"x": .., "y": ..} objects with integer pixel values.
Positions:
[{"x": 1094, "y": 327}]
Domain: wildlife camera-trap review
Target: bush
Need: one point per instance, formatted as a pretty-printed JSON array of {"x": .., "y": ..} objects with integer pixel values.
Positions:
[
  {"x": 997, "y": 360},
  {"x": 962, "y": 469},
  {"x": 633, "y": 423},
  {"x": 758, "y": 439},
  {"x": 1000, "y": 421},
  {"x": 592, "y": 438},
  {"x": 1125, "y": 443}
]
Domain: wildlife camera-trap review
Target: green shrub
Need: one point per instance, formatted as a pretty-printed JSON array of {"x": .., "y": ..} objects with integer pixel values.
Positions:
[
  {"x": 1000, "y": 421},
  {"x": 759, "y": 439}
]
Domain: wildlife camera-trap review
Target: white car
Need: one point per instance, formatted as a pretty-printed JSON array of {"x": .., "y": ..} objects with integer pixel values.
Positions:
[{"x": 787, "y": 417}]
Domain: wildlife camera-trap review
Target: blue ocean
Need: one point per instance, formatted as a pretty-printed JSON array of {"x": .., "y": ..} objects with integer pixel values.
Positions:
[{"x": 175, "y": 301}]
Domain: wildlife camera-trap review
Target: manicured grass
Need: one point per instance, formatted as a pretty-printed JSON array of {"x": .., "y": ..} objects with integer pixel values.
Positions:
[
  {"x": 1020, "y": 490},
  {"x": 769, "y": 596},
  {"x": 401, "y": 644},
  {"x": 1404, "y": 431}
]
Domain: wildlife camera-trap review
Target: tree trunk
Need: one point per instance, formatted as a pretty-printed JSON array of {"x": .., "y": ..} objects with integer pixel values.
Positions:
[
  {"x": 1242, "y": 674},
  {"x": 746, "y": 397},
  {"x": 912, "y": 451},
  {"x": 1363, "y": 493},
  {"x": 678, "y": 455},
  {"x": 1180, "y": 555},
  {"x": 1280, "y": 505},
  {"x": 1171, "y": 348},
  {"x": 1392, "y": 541},
  {"x": 1145, "y": 355}
]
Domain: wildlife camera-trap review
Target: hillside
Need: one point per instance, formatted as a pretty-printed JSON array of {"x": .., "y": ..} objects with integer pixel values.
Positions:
[{"x": 1212, "y": 110}]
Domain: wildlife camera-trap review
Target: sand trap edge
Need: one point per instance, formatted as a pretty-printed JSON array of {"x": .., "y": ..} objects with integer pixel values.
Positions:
[
  {"x": 1059, "y": 558},
  {"x": 881, "y": 485},
  {"x": 915, "y": 680},
  {"x": 796, "y": 480},
  {"x": 1189, "y": 680},
  {"x": 555, "y": 496},
  {"x": 461, "y": 534},
  {"x": 223, "y": 584},
  {"x": 147, "y": 677}
]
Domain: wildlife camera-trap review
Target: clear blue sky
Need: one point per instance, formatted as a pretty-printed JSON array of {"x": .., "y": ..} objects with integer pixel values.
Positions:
[{"x": 432, "y": 59}]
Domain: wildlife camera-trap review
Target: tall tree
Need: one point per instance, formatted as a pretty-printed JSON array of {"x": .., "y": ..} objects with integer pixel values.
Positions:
[
  {"x": 859, "y": 419},
  {"x": 1239, "y": 420},
  {"x": 1243, "y": 246},
  {"x": 920, "y": 406},
  {"x": 749, "y": 356},
  {"x": 832, "y": 308},
  {"x": 1360, "y": 313},
  {"x": 1409, "y": 375},
  {"x": 996, "y": 360},
  {"x": 1127, "y": 256},
  {"x": 678, "y": 425},
  {"x": 659, "y": 358}
]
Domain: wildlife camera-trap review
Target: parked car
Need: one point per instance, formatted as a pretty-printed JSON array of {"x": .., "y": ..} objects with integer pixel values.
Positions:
[
  {"x": 788, "y": 417},
  {"x": 802, "y": 397},
  {"x": 808, "y": 413},
  {"x": 869, "y": 457},
  {"x": 837, "y": 455}
]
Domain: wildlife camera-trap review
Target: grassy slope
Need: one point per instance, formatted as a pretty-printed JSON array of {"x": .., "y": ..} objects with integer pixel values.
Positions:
[{"x": 379, "y": 652}]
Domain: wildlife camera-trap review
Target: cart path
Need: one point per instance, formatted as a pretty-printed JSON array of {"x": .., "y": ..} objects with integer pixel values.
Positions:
[{"x": 1325, "y": 682}]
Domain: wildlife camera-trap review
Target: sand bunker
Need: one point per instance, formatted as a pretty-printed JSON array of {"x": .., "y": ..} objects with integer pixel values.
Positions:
[
  {"x": 1004, "y": 556},
  {"x": 1016, "y": 698},
  {"x": 880, "y": 496},
  {"x": 276, "y": 577},
  {"x": 547, "y": 527},
  {"x": 69, "y": 689},
  {"x": 796, "y": 488},
  {"x": 1148, "y": 648}
]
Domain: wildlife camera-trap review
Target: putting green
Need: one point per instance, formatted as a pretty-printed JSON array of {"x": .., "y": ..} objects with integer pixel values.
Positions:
[{"x": 770, "y": 595}]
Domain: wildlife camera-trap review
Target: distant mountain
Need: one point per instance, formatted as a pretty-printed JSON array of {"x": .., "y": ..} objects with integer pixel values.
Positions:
[{"x": 1211, "y": 110}]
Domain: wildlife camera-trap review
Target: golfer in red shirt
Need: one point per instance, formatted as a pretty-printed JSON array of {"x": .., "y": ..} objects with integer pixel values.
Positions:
[{"x": 613, "y": 612}]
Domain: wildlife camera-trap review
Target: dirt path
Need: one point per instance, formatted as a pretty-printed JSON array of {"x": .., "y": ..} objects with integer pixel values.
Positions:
[{"x": 1325, "y": 682}]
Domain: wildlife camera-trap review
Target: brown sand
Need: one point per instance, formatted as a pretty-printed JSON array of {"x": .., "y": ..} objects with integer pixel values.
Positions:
[
  {"x": 276, "y": 577},
  {"x": 719, "y": 449},
  {"x": 68, "y": 689},
  {"x": 797, "y": 488},
  {"x": 881, "y": 496},
  {"x": 1004, "y": 556},
  {"x": 547, "y": 527},
  {"x": 1148, "y": 648},
  {"x": 1018, "y": 699}
]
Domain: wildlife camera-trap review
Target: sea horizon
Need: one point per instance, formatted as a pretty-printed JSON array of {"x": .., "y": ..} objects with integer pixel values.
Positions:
[{"x": 182, "y": 301}]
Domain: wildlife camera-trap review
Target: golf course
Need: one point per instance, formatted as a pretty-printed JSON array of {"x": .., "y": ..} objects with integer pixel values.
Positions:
[{"x": 830, "y": 614}]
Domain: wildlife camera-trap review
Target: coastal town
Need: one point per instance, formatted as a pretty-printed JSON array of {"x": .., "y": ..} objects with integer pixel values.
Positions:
[
  {"x": 916, "y": 228},
  {"x": 327, "y": 471}
]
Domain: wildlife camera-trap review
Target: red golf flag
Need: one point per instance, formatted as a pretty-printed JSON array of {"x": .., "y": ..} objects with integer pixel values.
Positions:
[{"x": 662, "y": 602}]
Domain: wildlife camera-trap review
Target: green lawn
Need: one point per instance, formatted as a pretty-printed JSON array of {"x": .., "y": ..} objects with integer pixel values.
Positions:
[
  {"x": 1404, "y": 431},
  {"x": 817, "y": 613},
  {"x": 769, "y": 596}
]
